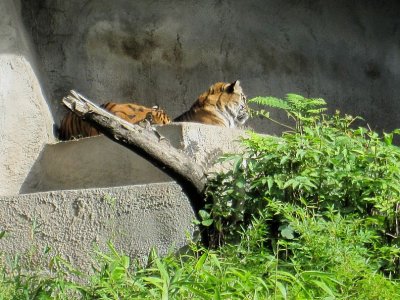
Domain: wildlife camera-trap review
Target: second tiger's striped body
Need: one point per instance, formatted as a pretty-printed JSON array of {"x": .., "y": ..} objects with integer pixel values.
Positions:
[{"x": 73, "y": 127}]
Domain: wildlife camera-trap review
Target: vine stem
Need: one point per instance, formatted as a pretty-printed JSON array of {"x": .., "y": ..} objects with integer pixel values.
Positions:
[{"x": 279, "y": 123}]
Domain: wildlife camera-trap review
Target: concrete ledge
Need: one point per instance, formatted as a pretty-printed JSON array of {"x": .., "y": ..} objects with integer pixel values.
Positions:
[
  {"x": 89, "y": 163},
  {"x": 99, "y": 162},
  {"x": 203, "y": 143},
  {"x": 135, "y": 218}
]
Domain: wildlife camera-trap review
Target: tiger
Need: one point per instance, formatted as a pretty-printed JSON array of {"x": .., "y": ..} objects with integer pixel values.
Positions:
[
  {"x": 74, "y": 127},
  {"x": 224, "y": 104}
]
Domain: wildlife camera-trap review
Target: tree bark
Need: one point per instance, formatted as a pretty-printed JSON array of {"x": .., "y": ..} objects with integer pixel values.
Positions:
[{"x": 147, "y": 143}]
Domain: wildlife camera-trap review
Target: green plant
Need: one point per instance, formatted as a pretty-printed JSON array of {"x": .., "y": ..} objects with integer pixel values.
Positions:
[
  {"x": 327, "y": 193},
  {"x": 225, "y": 273}
]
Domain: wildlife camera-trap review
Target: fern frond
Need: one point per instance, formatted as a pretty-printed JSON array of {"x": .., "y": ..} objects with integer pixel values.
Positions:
[
  {"x": 296, "y": 102},
  {"x": 294, "y": 98},
  {"x": 301, "y": 109},
  {"x": 271, "y": 102},
  {"x": 317, "y": 111},
  {"x": 306, "y": 105},
  {"x": 316, "y": 104},
  {"x": 317, "y": 101}
]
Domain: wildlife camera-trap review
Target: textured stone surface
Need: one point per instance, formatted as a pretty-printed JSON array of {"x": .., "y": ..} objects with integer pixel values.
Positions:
[
  {"x": 72, "y": 223},
  {"x": 25, "y": 119},
  {"x": 168, "y": 52},
  {"x": 204, "y": 143}
]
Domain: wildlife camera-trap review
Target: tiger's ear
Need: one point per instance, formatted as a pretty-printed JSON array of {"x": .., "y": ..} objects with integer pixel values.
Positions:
[{"x": 234, "y": 87}]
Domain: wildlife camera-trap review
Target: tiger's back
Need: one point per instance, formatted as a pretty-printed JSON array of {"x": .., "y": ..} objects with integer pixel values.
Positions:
[
  {"x": 224, "y": 104},
  {"x": 73, "y": 127}
]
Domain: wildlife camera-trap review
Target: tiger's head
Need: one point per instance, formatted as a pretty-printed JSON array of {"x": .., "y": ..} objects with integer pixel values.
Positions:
[{"x": 225, "y": 104}]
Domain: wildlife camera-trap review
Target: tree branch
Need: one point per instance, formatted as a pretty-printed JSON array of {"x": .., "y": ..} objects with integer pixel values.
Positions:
[{"x": 147, "y": 143}]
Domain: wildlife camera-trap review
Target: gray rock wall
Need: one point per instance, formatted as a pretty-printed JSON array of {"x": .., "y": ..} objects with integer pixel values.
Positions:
[
  {"x": 73, "y": 223},
  {"x": 25, "y": 118},
  {"x": 168, "y": 52}
]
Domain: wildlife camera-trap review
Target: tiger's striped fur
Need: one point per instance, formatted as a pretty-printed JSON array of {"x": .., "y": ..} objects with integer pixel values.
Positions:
[
  {"x": 73, "y": 127},
  {"x": 224, "y": 104}
]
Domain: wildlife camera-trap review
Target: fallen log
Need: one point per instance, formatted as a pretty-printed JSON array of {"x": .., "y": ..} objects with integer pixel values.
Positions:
[{"x": 146, "y": 142}]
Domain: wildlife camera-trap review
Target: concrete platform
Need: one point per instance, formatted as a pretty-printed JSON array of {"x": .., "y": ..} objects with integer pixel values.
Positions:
[{"x": 72, "y": 223}]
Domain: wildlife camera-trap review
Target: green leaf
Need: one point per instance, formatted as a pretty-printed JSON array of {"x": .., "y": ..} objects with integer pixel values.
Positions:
[
  {"x": 237, "y": 163},
  {"x": 388, "y": 138},
  {"x": 322, "y": 285},
  {"x": 158, "y": 282},
  {"x": 201, "y": 261},
  {"x": 162, "y": 270},
  {"x": 287, "y": 232},
  {"x": 291, "y": 182},
  {"x": 240, "y": 182},
  {"x": 217, "y": 295},
  {"x": 199, "y": 292},
  {"x": 207, "y": 222},
  {"x": 270, "y": 183},
  {"x": 204, "y": 214},
  {"x": 282, "y": 289}
]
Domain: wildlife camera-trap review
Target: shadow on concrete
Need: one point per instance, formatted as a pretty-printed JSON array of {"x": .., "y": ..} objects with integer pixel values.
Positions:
[{"x": 89, "y": 163}]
